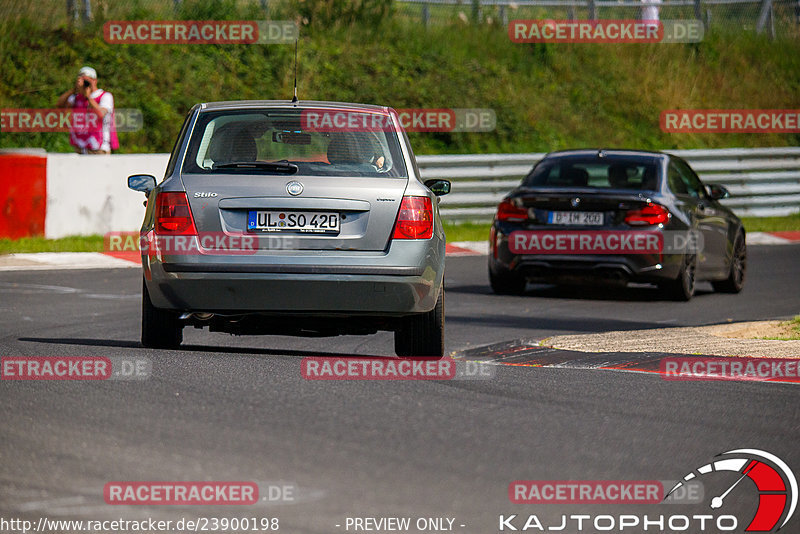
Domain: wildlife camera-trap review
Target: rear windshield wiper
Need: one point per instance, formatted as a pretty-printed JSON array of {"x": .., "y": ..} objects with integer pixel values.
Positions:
[{"x": 283, "y": 167}]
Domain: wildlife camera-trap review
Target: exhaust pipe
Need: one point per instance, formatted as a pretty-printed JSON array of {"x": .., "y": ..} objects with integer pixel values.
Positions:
[{"x": 200, "y": 316}]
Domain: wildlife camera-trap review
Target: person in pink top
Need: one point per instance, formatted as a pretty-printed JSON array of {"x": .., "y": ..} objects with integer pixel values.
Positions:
[{"x": 93, "y": 129}]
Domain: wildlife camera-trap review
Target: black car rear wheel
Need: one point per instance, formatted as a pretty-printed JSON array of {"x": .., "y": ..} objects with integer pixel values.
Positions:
[
  {"x": 507, "y": 284},
  {"x": 161, "y": 329},
  {"x": 682, "y": 288},
  {"x": 735, "y": 281},
  {"x": 423, "y": 334}
]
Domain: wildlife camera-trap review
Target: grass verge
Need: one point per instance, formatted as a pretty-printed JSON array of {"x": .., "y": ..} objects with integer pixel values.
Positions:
[
  {"x": 92, "y": 243},
  {"x": 772, "y": 224},
  {"x": 467, "y": 231},
  {"x": 793, "y": 327}
]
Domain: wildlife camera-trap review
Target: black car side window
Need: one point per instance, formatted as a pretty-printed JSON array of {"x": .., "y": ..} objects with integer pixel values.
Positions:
[
  {"x": 676, "y": 183},
  {"x": 693, "y": 183},
  {"x": 683, "y": 181}
]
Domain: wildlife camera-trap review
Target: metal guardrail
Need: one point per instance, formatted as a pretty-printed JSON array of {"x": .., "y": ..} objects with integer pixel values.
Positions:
[
  {"x": 763, "y": 14},
  {"x": 762, "y": 181}
]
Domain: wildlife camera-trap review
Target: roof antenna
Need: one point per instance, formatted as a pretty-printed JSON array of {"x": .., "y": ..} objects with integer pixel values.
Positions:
[{"x": 294, "y": 98}]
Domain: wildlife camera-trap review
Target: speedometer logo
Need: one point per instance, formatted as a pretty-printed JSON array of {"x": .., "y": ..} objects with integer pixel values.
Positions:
[{"x": 776, "y": 484}]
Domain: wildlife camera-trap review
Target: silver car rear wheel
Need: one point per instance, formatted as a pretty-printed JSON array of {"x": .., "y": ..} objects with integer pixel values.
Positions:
[
  {"x": 161, "y": 329},
  {"x": 422, "y": 335}
]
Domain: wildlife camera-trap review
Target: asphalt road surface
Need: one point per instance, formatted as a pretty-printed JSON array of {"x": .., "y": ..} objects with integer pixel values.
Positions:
[{"x": 236, "y": 408}]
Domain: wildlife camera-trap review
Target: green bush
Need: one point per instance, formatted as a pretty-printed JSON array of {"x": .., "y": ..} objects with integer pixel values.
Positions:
[{"x": 325, "y": 13}]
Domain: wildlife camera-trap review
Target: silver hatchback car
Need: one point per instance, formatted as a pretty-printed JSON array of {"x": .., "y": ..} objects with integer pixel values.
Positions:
[{"x": 306, "y": 219}]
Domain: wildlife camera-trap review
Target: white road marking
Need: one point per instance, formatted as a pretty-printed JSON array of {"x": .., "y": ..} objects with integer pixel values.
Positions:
[{"x": 41, "y": 261}]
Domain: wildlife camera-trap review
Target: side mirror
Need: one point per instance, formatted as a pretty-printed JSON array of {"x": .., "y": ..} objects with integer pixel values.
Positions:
[
  {"x": 438, "y": 187},
  {"x": 142, "y": 182},
  {"x": 717, "y": 192}
]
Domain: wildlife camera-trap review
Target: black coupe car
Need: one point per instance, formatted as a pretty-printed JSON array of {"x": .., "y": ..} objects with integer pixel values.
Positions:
[{"x": 616, "y": 216}]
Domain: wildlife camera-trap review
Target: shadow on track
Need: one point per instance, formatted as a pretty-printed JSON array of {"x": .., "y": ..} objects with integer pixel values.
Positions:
[
  {"x": 638, "y": 293},
  {"x": 577, "y": 324},
  {"x": 93, "y": 342}
]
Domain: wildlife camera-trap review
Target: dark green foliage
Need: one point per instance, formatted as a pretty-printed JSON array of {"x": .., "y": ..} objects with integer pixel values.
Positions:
[{"x": 545, "y": 97}]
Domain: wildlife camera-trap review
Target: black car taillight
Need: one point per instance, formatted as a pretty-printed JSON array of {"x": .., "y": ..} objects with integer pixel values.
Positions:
[
  {"x": 508, "y": 211},
  {"x": 648, "y": 215}
]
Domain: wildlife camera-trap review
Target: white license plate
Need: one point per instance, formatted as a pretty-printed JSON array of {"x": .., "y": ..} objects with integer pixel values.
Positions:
[
  {"x": 582, "y": 218},
  {"x": 315, "y": 222}
]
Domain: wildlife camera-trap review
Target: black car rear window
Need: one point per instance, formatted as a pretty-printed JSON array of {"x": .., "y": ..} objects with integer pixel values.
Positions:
[
  {"x": 222, "y": 138},
  {"x": 602, "y": 173}
]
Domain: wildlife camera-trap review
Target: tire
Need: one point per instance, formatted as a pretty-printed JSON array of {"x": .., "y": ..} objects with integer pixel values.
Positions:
[
  {"x": 682, "y": 288},
  {"x": 161, "y": 329},
  {"x": 422, "y": 335},
  {"x": 508, "y": 284},
  {"x": 402, "y": 339},
  {"x": 735, "y": 281}
]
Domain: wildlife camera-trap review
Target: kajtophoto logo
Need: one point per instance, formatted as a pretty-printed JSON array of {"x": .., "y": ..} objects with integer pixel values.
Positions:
[
  {"x": 775, "y": 482},
  {"x": 774, "y": 500}
]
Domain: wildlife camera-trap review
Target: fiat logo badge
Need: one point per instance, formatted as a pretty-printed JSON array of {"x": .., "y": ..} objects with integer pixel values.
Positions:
[{"x": 294, "y": 188}]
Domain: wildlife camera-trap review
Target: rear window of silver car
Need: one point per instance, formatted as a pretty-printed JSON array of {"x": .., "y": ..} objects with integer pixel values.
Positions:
[
  {"x": 606, "y": 173},
  {"x": 220, "y": 138}
]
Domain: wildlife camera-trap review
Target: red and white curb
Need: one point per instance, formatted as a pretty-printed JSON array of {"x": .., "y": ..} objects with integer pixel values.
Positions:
[
  {"x": 468, "y": 248},
  {"x": 99, "y": 260},
  {"x": 524, "y": 353},
  {"x": 773, "y": 238},
  {"x": 48, "y": 261}
]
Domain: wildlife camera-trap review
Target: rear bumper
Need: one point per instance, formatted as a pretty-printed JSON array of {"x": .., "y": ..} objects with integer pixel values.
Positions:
[
  {"x": 291, "y": 269},
  {"x": 313, "y": 294},
  {"x": 405, "y": 280},
  {"x": 621, "y": 269},
  {"x": 584, "y": 267}
]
